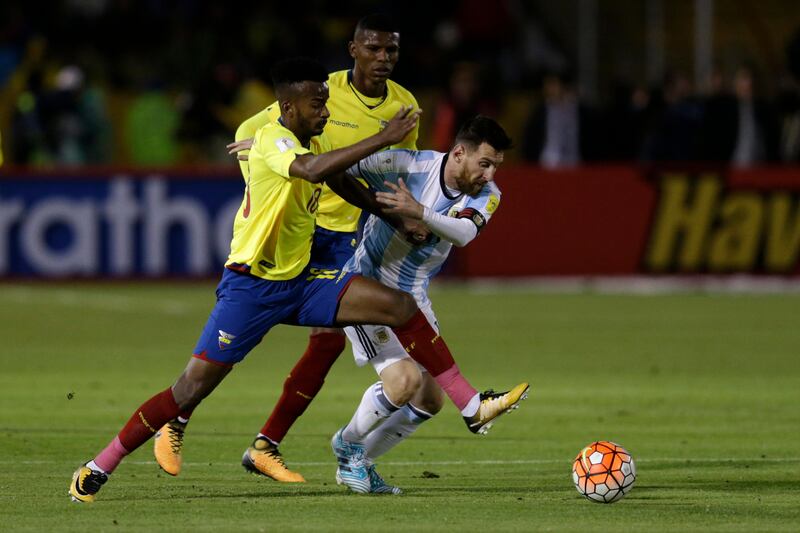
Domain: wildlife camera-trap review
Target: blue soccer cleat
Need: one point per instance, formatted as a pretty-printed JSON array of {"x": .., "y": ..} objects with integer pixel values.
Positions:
[
  {"x": 352, "y": 470},
  {"x": 378, "y": 486}
]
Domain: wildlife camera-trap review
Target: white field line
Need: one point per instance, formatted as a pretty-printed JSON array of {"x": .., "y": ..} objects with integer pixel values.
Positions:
[
  {"x": 82, "y": 299},
  {"x": 638, "y": 285},
  {"x": 482, "y": 462}
]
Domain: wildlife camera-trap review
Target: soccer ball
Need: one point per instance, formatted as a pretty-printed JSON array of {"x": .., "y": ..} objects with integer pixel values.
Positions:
[{"x": 604, "y": 472}]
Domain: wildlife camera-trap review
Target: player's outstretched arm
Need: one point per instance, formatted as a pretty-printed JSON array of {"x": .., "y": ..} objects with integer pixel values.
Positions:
[
  {"x": 315, "y": 168},
  {"x": 354, "y": 192},
  {"x": 399, "y": 201}
]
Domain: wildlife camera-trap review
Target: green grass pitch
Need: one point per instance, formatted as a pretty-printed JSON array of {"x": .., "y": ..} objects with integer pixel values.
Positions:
[{"x": 702, "y": 389}]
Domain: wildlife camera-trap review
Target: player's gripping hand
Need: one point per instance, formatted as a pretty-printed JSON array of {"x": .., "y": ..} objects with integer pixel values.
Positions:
[
  {"x": 399, "y": 201},
  {"x": 401, "y": 124},
  {"x": 240, "y": 146}
]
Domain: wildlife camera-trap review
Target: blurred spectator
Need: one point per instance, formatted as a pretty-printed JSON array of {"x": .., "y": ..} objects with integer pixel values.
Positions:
[
  {"x": 558, "y": 132},
  {"x": 66, "y": 124},
  {"x": 676, "y": 123},
  {"x": 626, "y": 122},
  {"x": 466, "y": 97},
  {"x": 151, "y": 126},
  {"x": 719, "y": 123},
  {"x": 789, "y": 104},
  {"x": 755, "y": 127},
  {"x": 75, "y": 120}
]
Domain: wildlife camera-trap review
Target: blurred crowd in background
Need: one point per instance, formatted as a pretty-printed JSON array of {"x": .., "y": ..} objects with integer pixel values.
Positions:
[{"x": 86, "y": 82}]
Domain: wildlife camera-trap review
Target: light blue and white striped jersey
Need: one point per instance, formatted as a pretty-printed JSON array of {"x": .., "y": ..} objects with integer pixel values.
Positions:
[{"x": 384, "y": 254}]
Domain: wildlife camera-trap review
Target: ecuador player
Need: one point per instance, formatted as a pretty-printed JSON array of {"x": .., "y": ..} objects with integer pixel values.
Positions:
[
  {"x": 362, "y": 100},
  {"x": 267, "y": 279}
]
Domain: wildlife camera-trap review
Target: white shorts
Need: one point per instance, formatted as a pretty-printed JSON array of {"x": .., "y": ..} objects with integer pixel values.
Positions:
[{"x": 379, "y": 346}]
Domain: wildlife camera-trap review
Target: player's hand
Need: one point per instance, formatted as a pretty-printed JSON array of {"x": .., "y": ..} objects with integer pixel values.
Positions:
[
  {"x": 416, "y": 231},
  {"x": 401, "y": 124},
  {"x": 240, "y": 146},
  {"x": 399, "y": 201}
]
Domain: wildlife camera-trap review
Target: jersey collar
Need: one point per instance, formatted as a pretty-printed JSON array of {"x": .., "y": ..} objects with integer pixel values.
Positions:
[
  {"x": 442, "y": 184},
  {"x": 359, "y": 95}
]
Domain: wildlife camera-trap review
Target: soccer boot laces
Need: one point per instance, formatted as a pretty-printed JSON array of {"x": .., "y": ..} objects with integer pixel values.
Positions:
[
  {"x": 263, "y": 458},
  {"x": 378, "y": 486},
  {"x": 492, "y": 405},
  {"x": 352, "y": 464},
  {"x": 85, "y": 484},
  {"x": 168, "y": 447}
]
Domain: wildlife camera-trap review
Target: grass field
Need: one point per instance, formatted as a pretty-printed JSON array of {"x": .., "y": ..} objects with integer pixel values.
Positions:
[{"x": 703, "y": 389}]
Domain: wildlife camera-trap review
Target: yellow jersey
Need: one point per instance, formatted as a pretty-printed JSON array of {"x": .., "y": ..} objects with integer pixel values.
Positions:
[
  {"x": 274, "y": 226},
  {"x": 354, "y": 117}
]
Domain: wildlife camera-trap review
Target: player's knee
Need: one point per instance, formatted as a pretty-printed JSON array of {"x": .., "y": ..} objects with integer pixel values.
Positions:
[
  {"x": 187, "y": 395},
  {"x": 404, "y": 306},
  {"x": 188, "y": 392},
  {"x": 402, "y": 386},
  {"x": 433, "y": 401}
]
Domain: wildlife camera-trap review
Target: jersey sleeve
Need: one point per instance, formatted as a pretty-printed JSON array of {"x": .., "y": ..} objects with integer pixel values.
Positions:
[
  {"x": 410, "y": 142},
  {"x": 278, "y": 148},
  {"x": 479, "y": 209},
  {"x": 382, "y": 166}
]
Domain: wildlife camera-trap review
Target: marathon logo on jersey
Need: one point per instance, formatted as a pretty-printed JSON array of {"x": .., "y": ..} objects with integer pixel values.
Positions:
[
  {"x": 284, "y": 144},
  {"x": 474, "y": 215},
  {"x": 343, "y": 124},
  {"x": 225, "y": 339}
]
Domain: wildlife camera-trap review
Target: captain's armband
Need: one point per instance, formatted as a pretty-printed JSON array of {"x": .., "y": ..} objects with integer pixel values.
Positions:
[{"x": 474, "y": 215}]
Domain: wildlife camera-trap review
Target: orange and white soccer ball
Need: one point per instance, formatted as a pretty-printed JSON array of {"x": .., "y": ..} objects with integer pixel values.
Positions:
[{"x": 604, "y": 472}]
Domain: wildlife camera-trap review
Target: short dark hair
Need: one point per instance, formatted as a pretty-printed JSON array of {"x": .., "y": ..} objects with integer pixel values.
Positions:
[
  {"x": 297, "y": 70},
  {"x": 377, "y": 22},
  {"x": 481, "y": 129}
]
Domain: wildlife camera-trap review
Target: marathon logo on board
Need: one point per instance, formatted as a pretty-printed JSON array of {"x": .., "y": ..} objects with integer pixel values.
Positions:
[
  {"x": 116, "y": 227},
  {"x": 701, "y": 226}
]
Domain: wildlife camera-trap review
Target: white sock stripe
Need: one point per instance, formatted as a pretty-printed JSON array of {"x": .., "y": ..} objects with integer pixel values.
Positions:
[
  {"x": 415, "y": 414},
  {"x": 382, "y": 399}
]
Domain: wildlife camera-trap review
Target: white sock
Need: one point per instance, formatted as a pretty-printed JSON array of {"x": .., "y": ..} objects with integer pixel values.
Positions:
[
  {"x": 262, "y": 436},
  {"x": 93, "y": 466},
  {"x": 374, "y": 408},
  {"x": 183, "y": 420},
  {"x": 395, "y": 430},
  {"x": 472, "y": 407}
]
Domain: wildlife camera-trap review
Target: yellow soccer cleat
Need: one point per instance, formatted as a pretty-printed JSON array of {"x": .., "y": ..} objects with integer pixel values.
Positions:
[
  {"x": 493, "y": 404},
  {"x": 85, "y": 484},
  {"x": 168, "y": 446},
  {"x": 264, "y": 458}
]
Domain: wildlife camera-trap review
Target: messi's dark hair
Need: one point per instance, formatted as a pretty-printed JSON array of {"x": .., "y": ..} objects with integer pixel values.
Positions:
[{"x": 481, "y": 129}]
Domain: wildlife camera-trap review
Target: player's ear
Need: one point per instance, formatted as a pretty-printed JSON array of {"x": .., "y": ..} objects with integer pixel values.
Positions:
[
  {"x": 351, "y": 48},
  {"x": 459, "y": 151},
  {"x": 286, "y": 107}
]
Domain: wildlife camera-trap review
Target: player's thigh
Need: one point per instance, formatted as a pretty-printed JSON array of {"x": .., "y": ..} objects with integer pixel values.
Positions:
[
  {"x": 366, "y": 301},
  {"x": 379, "y": 346},
  {"x": 376, "y": 345},
  {"x": 245, "y": 311}
]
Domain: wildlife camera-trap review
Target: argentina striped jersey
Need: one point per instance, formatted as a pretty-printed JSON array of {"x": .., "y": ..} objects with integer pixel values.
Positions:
[{"x": 384, "y": 254}]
